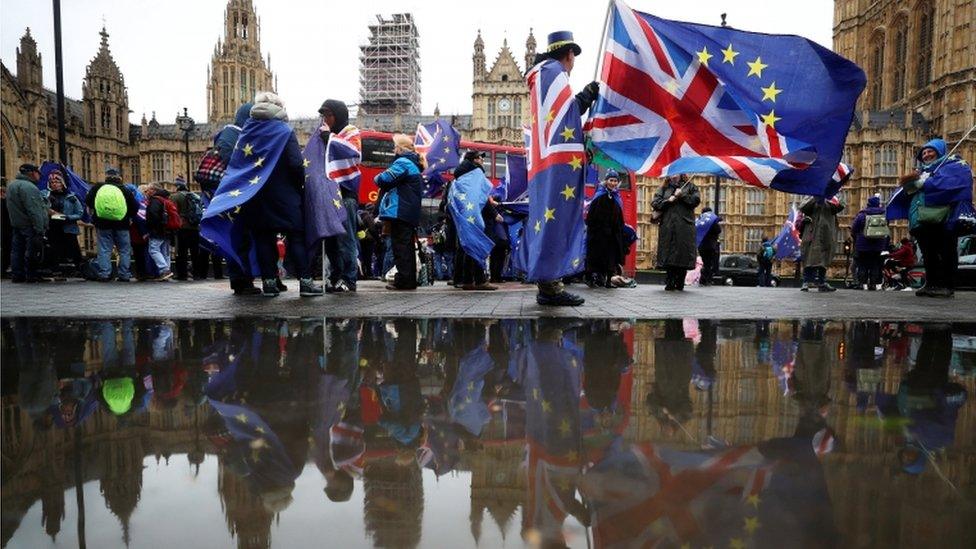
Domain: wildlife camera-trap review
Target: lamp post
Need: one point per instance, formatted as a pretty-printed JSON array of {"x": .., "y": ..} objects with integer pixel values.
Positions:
[{"x": 186, "y": 125}]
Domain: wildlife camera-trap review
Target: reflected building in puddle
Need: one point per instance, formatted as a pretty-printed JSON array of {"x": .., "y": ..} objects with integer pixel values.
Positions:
[{"x": 702, "y": 431}]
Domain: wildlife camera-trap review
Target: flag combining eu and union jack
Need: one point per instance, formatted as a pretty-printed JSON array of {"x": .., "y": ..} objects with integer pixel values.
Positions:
[
  {"x": 787, "y": 242},
  {"x": 343, "y": 155},
  {"x": 439, "y": 143},
  {"x": 770, "y": 110}
]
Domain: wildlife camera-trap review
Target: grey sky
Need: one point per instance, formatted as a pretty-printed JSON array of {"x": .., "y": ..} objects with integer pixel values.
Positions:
[{"x": 164, "y": 48}]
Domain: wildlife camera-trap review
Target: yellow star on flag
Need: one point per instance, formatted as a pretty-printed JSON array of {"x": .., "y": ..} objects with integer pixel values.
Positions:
[
  {"x": 572, "y": 455},
  {"x": 576, "y": 263},
  {"x": 704, "y": 56},
  {"x": 446, "y": 139},
  {"x": 535, "y": 393},
  {"x": 255, "y": 180},
  {"x": 469, "y": 206},
  {"x": 567, "y": 133},
  {"x": 550, "y": 116},
  {"x": 751, "y": 525},
  {"x": 756, "y": 67},
  {"x": 336, "y": 203},
  {"x": 235, "y": 193},
  {"x": 770, "y": 119},
  {"x": 259, "y": 430},
  {"x": 753, "y": 500},
  {"x": 569, "y": 192},
  {"x": 248, "y": 149},
  {"x": 305, "y": 162},
  {"x": 728, "y": 55},
  {"x": 576, "y": 162},
  {"x": 550, "y": 214},
  {"x": 462, "y": 196},
  {"x": 470, "y": 219},
  {"x": 537, "y": 226},
  {"x": 771, "y": 92},
  {"x": 546, "y": 406},
  {"x": 259, "y": 162},
  {"x": 736, "y": 543},
  {"x": 447, "y": 150},
  {"x": 564, "y": 427},
  {"x": 241, "y": 417}
]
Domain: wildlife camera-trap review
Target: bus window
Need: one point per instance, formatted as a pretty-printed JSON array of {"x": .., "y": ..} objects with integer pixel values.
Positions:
[
  {"x": 501, "y": 165},
  {"x": 377, "y": 153}
]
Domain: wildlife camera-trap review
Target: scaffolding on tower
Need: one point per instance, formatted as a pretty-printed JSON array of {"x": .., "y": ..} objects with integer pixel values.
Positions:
[{"x": 389, "y": 73}]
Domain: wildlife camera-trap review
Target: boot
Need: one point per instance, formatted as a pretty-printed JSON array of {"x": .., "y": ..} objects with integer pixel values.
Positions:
[
  {"x": 307, "y": 288},
  {"x": 270, "y": 286},
  {"x": 280, "y": 285}
]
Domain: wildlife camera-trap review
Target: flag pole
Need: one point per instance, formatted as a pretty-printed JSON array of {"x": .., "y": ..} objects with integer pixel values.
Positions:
[
  {"x": 948, "y": 154},
  {"x": 603, "y": 41}
]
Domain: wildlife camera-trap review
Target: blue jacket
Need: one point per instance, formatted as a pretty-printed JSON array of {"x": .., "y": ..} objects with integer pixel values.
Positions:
[
  {"x": 69, "y": 205},
  {"x": 401, "y": 185}
]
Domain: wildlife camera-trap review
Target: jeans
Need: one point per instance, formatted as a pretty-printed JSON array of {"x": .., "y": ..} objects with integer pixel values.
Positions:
[
  {"x": 940, "y": 254},
  {"x": 159, "y": 253},
  {"x": 107, "y": 240},
  {"x": 26, "y": 249},
  {"x": 343, "y": 249},
  {"x": 401, "y": 237},
  {"x": 387, "y": 260}
]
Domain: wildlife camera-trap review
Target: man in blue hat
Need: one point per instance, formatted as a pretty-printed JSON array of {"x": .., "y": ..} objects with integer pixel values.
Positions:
[{"x": 562, "y": 49}]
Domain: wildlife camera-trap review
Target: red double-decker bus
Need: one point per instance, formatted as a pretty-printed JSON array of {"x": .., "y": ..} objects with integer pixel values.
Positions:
[{"x": 378, "y": 155}]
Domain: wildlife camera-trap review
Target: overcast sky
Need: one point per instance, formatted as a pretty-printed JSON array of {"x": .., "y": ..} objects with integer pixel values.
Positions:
[{"x": 164, "y": 47}]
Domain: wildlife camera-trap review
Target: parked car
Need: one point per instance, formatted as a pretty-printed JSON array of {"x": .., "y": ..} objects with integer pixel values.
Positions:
[
  {"x": 965, "y": 276},
  {"x": 740, "y": 270}
]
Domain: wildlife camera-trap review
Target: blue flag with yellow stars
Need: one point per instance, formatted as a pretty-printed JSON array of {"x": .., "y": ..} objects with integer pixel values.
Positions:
[
  {"x": 467, "y": 197},
  {"x": 323, "y": 204},
  {"x": 252, "y": 162},
  {"x": 553, "y": 242},
  {"x": 676, "y": 98},
  {"x": 72, "y": 181}
]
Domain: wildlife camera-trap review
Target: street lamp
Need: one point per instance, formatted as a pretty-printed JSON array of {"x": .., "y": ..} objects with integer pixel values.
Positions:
[{"x": 186, "y": 125}]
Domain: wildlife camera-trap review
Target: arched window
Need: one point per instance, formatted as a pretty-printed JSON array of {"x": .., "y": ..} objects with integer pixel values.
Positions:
[
  {"x": 877, "y": 71},
  {"x": 923, "y": 53},
  {"x": 225, "y": 94},
  {"x": 901, "y": 51}
]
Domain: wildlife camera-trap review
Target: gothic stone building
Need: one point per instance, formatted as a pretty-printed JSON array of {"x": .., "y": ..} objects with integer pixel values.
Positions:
[{"x": 500, "y": 96}]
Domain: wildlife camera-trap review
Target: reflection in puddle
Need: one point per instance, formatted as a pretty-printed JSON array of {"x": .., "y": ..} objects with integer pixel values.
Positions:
[{"x": 399, "y": 433}]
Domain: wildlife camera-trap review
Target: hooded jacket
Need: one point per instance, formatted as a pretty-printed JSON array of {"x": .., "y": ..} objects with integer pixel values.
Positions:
[
  {"x": 862, "y": 243},
  {"x": 341, "y": 113},
  {"x": 402, "y": 185},
  {"x": 227, "y": 138}
]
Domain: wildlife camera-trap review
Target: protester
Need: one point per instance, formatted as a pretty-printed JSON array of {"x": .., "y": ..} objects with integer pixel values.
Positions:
[
  {"x": 870, "y": 232},
  {"x": 159, "y": 209},
  {"x": 469, "y": 274},
  {"x": 6, "y": 232},
  {"x": 765, "y": 257},
  {"x": 551, "y": 73},
  {"x": 342, "y": 168},
  {"x": 937, "y": 193},
  {"x": 62, "y": 235},
  {"x": 401, "y": 185},
  {"x": 605, "y": 233},
  {"x": 190, "y": 206},
  {"x": 443, "y": 249},
  {"x": 139, "y": 237},
  {"x": 708, "y": 249},
  {"x": 676, "y": 201},
  {"x": 904, "y": 256},
  {"x": 28, "y": 212},
  {"x": 278, "y": 207},
  {"x": 818, "y": 238},
  {"x": 112, "y": 208},
  {"x": 368, "y": 236},
  {"x": 241, "y": 280}
]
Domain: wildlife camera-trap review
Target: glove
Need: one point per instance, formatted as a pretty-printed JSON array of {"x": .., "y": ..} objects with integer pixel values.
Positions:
[{"x": 593, "y": 87}]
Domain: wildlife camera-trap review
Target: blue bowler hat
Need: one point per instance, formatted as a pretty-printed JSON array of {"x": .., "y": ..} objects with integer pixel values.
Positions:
[{"x": 561, "y": 39}]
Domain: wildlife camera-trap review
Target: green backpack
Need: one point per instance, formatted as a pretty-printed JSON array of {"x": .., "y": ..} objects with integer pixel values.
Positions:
[
  {"x": 110, "y": 203},
  {"x": 876, "y": 226}
]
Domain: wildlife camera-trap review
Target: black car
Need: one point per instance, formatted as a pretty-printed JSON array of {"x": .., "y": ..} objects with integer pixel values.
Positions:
[{"x": 741, "y": 270}]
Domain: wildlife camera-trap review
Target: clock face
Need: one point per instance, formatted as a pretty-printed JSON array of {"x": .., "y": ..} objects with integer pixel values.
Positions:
[{"x": 504, "y": 104}]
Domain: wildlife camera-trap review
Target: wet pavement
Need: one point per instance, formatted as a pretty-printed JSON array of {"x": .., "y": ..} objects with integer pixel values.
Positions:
[{"x": 404, "y": 432}]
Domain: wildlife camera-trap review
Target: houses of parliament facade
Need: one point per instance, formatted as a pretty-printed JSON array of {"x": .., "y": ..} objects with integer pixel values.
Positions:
[{"x": 920, "y": 61}]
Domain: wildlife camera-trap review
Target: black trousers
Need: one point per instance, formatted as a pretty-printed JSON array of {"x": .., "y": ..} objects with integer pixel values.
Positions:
[
  {"x": 940, "y": 254},
  {"x": 498, "y": 255},
  {"x": 709, "y": 265},
  {"x": 266, "y": 249},
  {"x": 188, "y": 250},
  {"x": 64, "y": 250},
  {"x": 675, "y": 277},
  {"x": 869, "y": 267},
  {"x": 404, "y": 256}
]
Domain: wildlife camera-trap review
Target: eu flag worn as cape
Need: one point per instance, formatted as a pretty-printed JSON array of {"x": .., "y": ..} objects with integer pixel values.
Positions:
[
  {"x": 467, "y": 197},
  {"x": 702, "y": 226},
  {"x": 258, "y": 149},
  {"x": 770, "y": 110},
  {"x": 948, "y": 180},
  {"x": 553, "y": 242},
  {"x": 324, "y": 214},
  {"x": 75, "y": 184},
  {"x": 439, "y": 143}
]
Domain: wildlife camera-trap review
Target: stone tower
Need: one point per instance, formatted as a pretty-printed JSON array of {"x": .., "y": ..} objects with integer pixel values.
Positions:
[
  {"x": 29, "y": 63},
  {"x": 500, "y": 96},
  {"x": 105, "y": 97},
  {"x": 237, "y": 70},
  {"x": 530, "y": 46}
]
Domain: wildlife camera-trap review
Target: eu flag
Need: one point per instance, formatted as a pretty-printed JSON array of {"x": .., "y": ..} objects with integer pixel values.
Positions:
[
  {"x": 770, "y": 110},
  {"x": 258, "y": 149},
  {"x": 439, "y": 143},
  {"x": 75, "y": 184},
  {"x": 702, "y": 226},
  {"x": 517, "y": 179},
  {"x": 323, "y": 205},
  {"x": 553, "y": 240},
  {"x": 787, "y": 242},
  {"x": 467, "y": 197}
]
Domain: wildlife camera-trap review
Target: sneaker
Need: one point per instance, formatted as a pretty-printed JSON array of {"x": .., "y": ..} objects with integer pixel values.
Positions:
[
  {"x": 164, "y": 276},
  {"x": 826, "y": 288},
  {"x": 480, "y": 287},
  {"x": 343, "y": 286},
  {"x": 307, "y": 288},
  {"x": 925, "y": 291},
  {"x": 396, "y": 288},
  {"x": 270, "y": 287},
  {"x": 249, "y": 290},
  {"x": 806, "y": 287},
  {"x": 124, "y": 280},
  {"x": 562, "y": 299},
  {"x": 280, "y": 285},
  {"x": 941, "y": 292}
]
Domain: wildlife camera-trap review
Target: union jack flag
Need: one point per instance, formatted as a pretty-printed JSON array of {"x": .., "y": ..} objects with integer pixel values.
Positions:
[
  {"x": 674, "y": 99},
  {"x": 787, "y": 242},
  {"x": 343, "y": 155}
]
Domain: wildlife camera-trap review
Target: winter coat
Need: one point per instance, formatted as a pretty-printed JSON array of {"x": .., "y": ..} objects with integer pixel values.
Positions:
[
  {"x": 671, "y": 383},
  {"x": 280, "y": 204},
  {"x": 904, "y": 255},
  {"x": 132, "y": 208},
  {"x": 710, "y": 242},
  {"x": 156, "y": 215},
  {"x": 861, "y": 242},
  {"x": 26, "y": 205},
  {"x": 227, "y": 138},
  {"x": 819, "y": 231},
  {"x": 605, "y": 245},
  {"x": 676, "y": 233},
  {"x": 66, "y": 203},
  {"x": 401, "y": 184}
]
